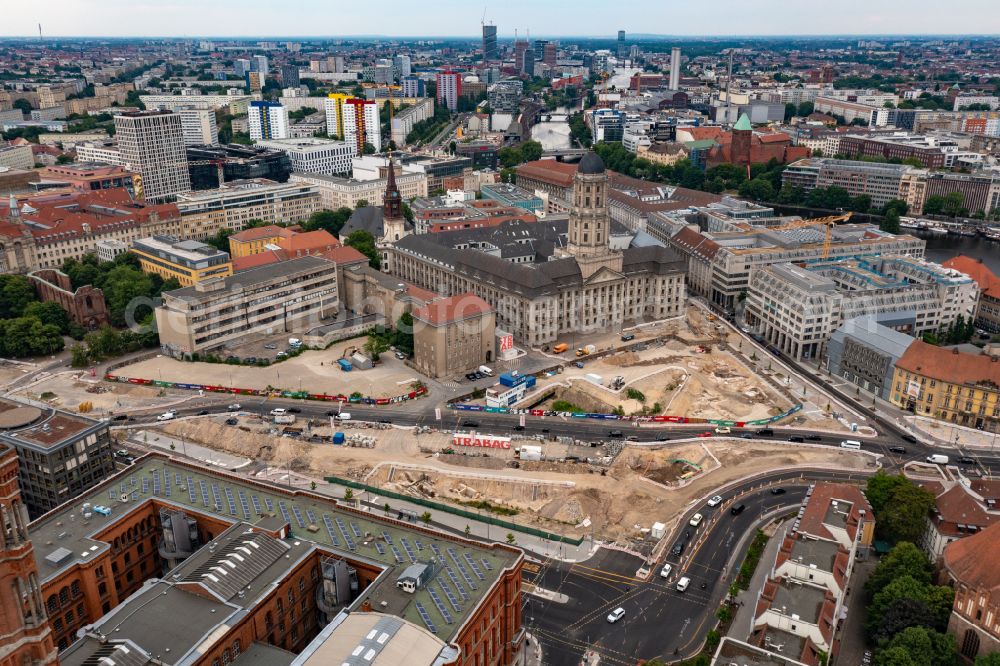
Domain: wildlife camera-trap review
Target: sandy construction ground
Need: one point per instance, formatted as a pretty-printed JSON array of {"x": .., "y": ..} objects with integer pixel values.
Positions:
[{"x": 614, "y": 502}]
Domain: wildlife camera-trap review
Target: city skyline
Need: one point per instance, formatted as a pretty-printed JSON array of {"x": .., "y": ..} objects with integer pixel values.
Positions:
[{"x": 589, "y": 18}]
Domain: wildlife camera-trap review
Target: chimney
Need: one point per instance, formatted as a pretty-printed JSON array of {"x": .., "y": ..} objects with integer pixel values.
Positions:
[{"x": 366, "y": 606}]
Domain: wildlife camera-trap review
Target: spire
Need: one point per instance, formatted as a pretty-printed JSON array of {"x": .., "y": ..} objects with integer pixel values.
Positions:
[
  {"x": 392, "y": 202},
  {"x": 743, "y": 124}
]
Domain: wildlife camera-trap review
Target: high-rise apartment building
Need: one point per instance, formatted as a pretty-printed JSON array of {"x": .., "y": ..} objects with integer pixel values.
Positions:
[
  {"x": 621, "y": 45},
  {"x": 490, "y": 52},
  {"x": 413, "y": 87},
  {"x": 267, "y": 120},
  {"x": 362, "y": 124},
  {"x": 151, "y": 144},
  {"x": 199, "y": 127},
  {"x": 241, "y": 66},
  {"x": 401, "y": 66},
  {"x": 521, "y": 47},
  {"x": 449, "y": 89},
  {"x": 259, "y": 64},
  {"x": 290, "y": 76}
]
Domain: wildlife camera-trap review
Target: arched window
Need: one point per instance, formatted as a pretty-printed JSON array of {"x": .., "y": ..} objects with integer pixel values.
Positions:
[
  {"x": 64, "y": 595},
  {"x": 52, "y": 604}
]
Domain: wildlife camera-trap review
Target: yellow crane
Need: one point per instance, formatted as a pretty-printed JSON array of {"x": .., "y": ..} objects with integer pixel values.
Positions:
[{"x": 829, "y": 222}]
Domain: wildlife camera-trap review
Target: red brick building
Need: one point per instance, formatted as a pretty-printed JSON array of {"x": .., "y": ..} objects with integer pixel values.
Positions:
[{"x": 85, "y": 305}]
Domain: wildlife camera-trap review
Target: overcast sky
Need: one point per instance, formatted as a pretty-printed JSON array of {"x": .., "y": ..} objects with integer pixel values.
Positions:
[{"x": 191, "y": 18}]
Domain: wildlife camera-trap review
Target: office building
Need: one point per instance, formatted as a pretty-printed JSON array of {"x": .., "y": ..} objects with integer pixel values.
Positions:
[
  {"x": 61, "y": 455},
  {"x": 931, "y": 151},
  {"x": 797, "y": 308},
  {"x": 987, "y": 315},
  {"x": 336, "y": 192},
  {"x": 490, "y": 51},
  {"x": 151, "y": 144},
  {"x": 199, "y": 127},
  {"x": 513, "y": 196},
  {"x": 865, "y": 349},
  {"x": 881, "y": 182},
  {"x": 607, "y": 124},
  {"x": 505, "y": 96},
  {"x": 267, "y": 120},
  {"x": 542, "y": 290},
  {"x": 16, "y": 157},
  {"x": 454, "y": 335},
  {"x": 187, "y": 261},
  {"x": 258, "y": 63},
  {"x": 675, "y": 68},
  {"x": 204, "y": 212},
  {"x": 290, "y": 76},
  {"x": 235, "y": 162},
  {"x": 449, "y": 89},
  {"x": 86, "y": 177},
  {"x": 621, "y": 45},
  {"x": 28, "y": 637},
  {"x": 315, "y": 156},
  {"x": 401, "y": 66},
  {"x": 291, "y": 296},
  {"x": 108, "y": 250}
]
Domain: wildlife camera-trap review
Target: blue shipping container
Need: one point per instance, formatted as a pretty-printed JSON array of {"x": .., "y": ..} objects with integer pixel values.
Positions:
[{"x": 345, "y": 365}]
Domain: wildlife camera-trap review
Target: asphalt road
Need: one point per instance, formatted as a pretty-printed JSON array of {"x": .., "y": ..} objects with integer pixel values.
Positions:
[{"x": 659, "y": 621}]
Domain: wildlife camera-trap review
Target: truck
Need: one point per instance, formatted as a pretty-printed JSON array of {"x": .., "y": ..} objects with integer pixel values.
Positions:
[
  {"x": 529, "y": 452},
  {"x": 284, "y": 419},
  {"x": 345, "y": 365},
  {"x": 586, "y": 350},
  {"x": 560, "y": 348},
  {"x": 591, "y": 377}
]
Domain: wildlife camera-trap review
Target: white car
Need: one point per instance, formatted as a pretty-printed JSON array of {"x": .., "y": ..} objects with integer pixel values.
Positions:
[
  {"x": 278, "y": 411},
  {"x": 723, "y": 430},
  {"x": 683, "y": 583},
  {"x": 715, "y": 501},
  {"x": 616, "y": 615},
  {"x": 166, "y": 416},
  {"x": 695, "y": 520},
  {"x": 665, "y": 571},
  {"x": 235, "y": 407}
]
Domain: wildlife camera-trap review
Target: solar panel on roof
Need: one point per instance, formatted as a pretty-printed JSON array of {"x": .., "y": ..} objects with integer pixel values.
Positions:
[
  {"x": 111, "y": 491},
  {"x": 451, "y": 597},
  {"x": 329, "y": 530},
  {"x": 190, "y": 484},
  {"x": 425, "y": 617},
  {"x": 298, "y": 516},
  {"x": 311, "y": 516},
  {"x": 357, "y": 530},
  {"x": 440, "y": 605},
  {"x": 487, "y": 565},
  {"x": 475, "y": 567},
  {"x": 458, "y": 586},
  {"x": 387, "y": 537},
  {"x": 417, "y": 543},
  {"x": 380, "y": 548},
  {"x": 397, "y": 554},
  {"x": 256, "y": 504}
]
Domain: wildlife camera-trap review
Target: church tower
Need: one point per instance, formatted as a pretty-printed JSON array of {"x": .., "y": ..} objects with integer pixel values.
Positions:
[
  {"x": 589, "y": 219},
  {"x": 393, "y": 222},
  {"x": 27, "y": 638}
]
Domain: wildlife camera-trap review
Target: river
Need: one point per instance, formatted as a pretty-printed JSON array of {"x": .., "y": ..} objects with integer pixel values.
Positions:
[
  {"x": 553, "y": 135},
  {"x": 943, "y": 248}
]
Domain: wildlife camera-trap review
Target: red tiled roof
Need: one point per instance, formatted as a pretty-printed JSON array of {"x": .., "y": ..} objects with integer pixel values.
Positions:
[
  {"x": 259, "y": 233},
  {"x": 259, "y": 259},
  {"x": 344, "y": 254},
  {"x": 956, "y": 505},
  {"x": 558, "y": 173},
  {"x": 696, "y": 243},
  {"x": 947, "y": 365},
  {"x": 973, "y": 560},
  {"x": 309, "y": 242},
  {"x": 454, "y": 308},
  {"x": 814, "y": 517},
  {"x": 988, "y": 282}
]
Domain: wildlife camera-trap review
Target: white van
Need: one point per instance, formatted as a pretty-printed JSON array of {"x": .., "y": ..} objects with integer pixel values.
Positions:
[
  {"x": 937, "y": 459},
  {"x": 343, "y": 416},
  {"x": 683, "y": 583},
  {"x": 665, "y": 571},
  {"x": 486, "y": 370},
  {"x": 278, "y": 411},
  {"x": 850, "y": 444}
]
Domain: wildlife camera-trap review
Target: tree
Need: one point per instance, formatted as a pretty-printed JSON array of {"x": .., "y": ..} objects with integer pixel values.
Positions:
[
  {"x": 375, "y": 346},
  {"x": 531, "y": 151},
  {"x": 79, "y": 356},
  {"x": 511, "y": 539},
  {"x": 890, "y": 222},
  {"x": 905, "y": 559},
  {"x": 364, "y": 242},
  {"x": 904, "y": 519},
  {"x": 934, "y": 205},
  {"x": 861, "y": 203},
  {"x": 23, "y": 105},
  {"x": 902, "y": 614},
  {"x": 49, "y": 313},
  {"x": 805, "y": 109},
  {"x": 121, "y": 286},
  {"x": 64, "y": 159},
  {"x": 879, "y": 489},
  {"x": 16, "y": 292},
  {"x": 937, "y": 599},
  {"x": 328, "y": 220},
  {"x": 28, "y": 336},
  {"x": 952, "y": 206},
  {"x": 898, "y": 205},
  {"x": 790, "y": 111},
  {"x": 349, "y": 495},
  {"x": 468, "y": 530},
  {"x": 312, "y": 485},
  {"x": 402, "y": 337},
  {"x": 924, "y": 647},
  {"x": 426, "y": 517},
  {"x": 991, "y": 659}
]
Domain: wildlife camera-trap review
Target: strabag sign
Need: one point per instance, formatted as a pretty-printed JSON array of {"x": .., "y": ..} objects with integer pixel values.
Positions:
[{"x": 485, "y": 441}]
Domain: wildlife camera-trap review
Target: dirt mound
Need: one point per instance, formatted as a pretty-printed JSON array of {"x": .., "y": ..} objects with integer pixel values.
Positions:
[{"x": 242, "y": 442}]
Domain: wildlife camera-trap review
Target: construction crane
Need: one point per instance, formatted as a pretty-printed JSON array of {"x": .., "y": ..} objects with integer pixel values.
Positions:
[{"x": 829, "y": 222}]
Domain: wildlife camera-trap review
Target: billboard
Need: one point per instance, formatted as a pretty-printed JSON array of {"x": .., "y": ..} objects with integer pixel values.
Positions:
[
  {"x": 506, "y": 342},
  {"x": 913, "y": 389},
  {"x": 485, "y": 441}
]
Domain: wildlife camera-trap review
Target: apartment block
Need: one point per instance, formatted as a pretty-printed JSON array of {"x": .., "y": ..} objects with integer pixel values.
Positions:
[
  {"x": 152, "y": 145},
  {"x": 204, "y": 212},
  {"x": 199, "y": 127},
  {"x": 338, "y": 192},
  {"x": 315, "y": 156}
]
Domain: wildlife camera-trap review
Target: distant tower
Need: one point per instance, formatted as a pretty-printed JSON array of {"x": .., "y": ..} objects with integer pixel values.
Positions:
[
  {"x": 675, "y": 68},
  {"x": 490, "y": 53},
  {"x": 729, "y": 87},
  {"x": 40, "y": 31},
  {"x": 27, "y": 637},
  {"x": 621, "y": 45},
  {"x": 742, "y": 138}
]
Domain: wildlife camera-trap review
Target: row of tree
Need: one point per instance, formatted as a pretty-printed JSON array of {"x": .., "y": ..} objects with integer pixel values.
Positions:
[{"x": 527, "y": 151}]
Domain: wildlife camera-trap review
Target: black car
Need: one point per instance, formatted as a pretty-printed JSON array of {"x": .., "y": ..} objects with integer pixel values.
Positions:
[
  {"x": 967, "y": 460},
  {"x": 908, "y": 438},
  {"x": 746, "y": 435},
  {"x": 203, "y": 412},
  {"x": 796, "y": 438},
  {"x": 628, "y": 337},
  {"x": 471, "y": 377},
  {"x": 898, "y": 449},
  {"x": 385, "y": 420},
  {"x": 232, "y": 422},
  {"x": 519, "y": 427},
  {"x": 470, "y": 424},
  {"x": 813, "y": 438},
  {"x": 765, "y": 432},
  {"x": 294, "y": 410},
  {"x": 121, "y": 417},
  {"x": 778, "y": 491},
  {"x": 678, "y": 548},
  {"x": 332, "y": 412},
  {"x": 738, "y": 509},
  {"x": 615, "y": 433}
]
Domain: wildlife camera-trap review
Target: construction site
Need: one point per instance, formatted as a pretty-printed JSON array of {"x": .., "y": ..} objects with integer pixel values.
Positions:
[{"x": 613, "y": 491}]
